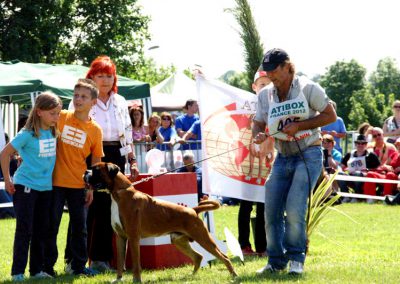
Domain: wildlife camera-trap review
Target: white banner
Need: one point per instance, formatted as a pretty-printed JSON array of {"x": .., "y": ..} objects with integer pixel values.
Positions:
[{"x": 226, "y": 114}]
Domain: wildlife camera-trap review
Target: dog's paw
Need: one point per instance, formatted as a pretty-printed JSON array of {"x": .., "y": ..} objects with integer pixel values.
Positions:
[{"x": 117, "y": 280}]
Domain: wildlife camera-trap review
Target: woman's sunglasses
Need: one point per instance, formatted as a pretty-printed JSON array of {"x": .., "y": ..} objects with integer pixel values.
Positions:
[{"x": 166, "y": 118}]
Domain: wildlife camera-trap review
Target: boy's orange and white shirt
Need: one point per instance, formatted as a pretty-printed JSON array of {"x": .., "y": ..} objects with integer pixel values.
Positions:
[{"x": 77, "y": 140}]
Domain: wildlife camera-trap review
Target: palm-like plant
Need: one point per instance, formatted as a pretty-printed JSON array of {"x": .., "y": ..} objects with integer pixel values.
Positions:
[
  {"x": 253, "y": 48},
  {"x": 321, "y": 203}
]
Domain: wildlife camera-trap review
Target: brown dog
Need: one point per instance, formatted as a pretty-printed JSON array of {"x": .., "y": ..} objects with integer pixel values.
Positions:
[{"x": 137, "y": 215}]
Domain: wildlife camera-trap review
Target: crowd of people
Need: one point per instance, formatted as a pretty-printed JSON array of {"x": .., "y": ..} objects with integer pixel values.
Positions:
[
  {"x": 375, "y": 155},
  {"x": 57, "y": 146}
]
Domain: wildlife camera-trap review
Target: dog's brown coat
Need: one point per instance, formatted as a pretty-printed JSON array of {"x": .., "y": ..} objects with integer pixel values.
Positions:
[{"x": 143, "y": 216}]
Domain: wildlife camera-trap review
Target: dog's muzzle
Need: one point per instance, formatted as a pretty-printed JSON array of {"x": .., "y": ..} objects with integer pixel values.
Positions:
[{"x": 88, "y": 178}]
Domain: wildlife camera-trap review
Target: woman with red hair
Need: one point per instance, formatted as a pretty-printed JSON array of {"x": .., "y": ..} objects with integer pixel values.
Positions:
[{"x": 112, "y": 114}]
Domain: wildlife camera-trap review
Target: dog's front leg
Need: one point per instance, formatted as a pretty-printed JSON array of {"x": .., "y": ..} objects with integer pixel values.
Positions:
[
  {"x": 135, "y": 254},
  {"x": 121, "y": 252}
]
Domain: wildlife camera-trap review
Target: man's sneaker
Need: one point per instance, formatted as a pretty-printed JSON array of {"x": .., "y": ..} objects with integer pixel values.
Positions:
[
  {"x": 68, "y": 269},
  {"x": 86, "y": 272},
  {"x": 101, "y": 266},
  {"x": 18, "y": 277},
  {"x": 268, "y": 268},
  {"x": 42, "y": 275},
  {"x": 248, "y": 251},
  {"x": 296, "y": 267}
]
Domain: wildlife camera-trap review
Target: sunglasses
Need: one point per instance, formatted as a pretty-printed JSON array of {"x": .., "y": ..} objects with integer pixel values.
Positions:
[
  {"x": 396, "y": 106},
  {"x": 360, "y": 143},
  {"x": 165, "y": 118},
  {"x": 376, "y": 135},
  {"x": 327, "y": 141}
]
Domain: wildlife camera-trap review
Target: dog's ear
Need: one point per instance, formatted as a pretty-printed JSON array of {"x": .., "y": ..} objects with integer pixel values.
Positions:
[{"x": 112, "y": 170}]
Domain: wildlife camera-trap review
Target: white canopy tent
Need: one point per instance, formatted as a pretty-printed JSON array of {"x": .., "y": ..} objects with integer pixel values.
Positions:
[{"x": 172, "y": 93}]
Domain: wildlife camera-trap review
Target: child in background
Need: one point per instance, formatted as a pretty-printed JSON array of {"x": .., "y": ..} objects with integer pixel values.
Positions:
[
  {"x": 32, "y": 183},
  {"x": 264, "y": 153},
  {"x": 80, "y": 136}
]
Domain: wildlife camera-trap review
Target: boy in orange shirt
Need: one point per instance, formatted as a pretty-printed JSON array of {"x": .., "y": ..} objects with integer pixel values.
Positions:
[{"x": 80, "y": 137}]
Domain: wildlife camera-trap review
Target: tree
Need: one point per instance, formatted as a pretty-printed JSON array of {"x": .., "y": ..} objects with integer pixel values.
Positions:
[
  {"x": 386, "y": 78},
  {"x": 30, "y": 30},
  {"x": 236, "y": 79},
  {"x": 340, "y": 81},
  {"x": 253, "y": 48},
  {"x": 148, "y": 71},
  {"x": 72, "y": 31}
]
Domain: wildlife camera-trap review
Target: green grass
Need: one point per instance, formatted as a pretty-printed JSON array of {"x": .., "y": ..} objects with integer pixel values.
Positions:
[{"x": 341, "y": 251}]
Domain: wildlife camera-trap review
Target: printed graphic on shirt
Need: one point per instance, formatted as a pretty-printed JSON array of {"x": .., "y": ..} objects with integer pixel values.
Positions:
[
  {"x": 73, "y": 136},
  {"x": 47, "y": 147}
]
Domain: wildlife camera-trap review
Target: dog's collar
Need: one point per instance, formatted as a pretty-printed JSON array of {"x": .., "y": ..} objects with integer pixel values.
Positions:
[
  {"x": 103, "y": 190},
  {"x": 101, "y": 187}
]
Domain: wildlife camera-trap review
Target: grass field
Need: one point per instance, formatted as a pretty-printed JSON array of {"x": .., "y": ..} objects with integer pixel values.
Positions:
[{"x": 341, "y": 251}]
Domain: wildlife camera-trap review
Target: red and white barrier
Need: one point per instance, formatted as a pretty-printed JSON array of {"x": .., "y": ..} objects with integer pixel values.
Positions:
[{"x": 179, "y": 188}]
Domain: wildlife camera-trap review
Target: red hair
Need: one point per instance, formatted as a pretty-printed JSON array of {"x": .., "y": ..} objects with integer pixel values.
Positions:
[{"x": 103, "y": 64}]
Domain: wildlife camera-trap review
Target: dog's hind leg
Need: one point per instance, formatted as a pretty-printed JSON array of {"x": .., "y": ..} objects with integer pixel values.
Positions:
[
  {"x": 203, "y": 238},
  {"x": 182, "y": 244}
]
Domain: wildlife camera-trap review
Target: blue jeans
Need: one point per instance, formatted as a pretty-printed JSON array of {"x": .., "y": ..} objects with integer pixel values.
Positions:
[
  {"x": 77, "y": 217},
  {"x": 287, "y": 189}
]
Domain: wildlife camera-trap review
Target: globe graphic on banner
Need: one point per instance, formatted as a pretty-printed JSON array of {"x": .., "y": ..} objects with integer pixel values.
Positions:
[{"x": 227, "y": 135}]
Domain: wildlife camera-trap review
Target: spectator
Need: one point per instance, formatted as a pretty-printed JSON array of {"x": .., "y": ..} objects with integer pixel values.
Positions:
[
  {"x": 387, "y": 154},
  {"x": 188, "y": 161},
  {"x": 357, "y": 163},
  {"x": 337, "y": 129},
  {"x": 332, "y": 157},
  {"x": 185, "y": 121},
  {"x": 385, "y": 151},
  {"x": 167, "y": 131},
  {"x": 139, "y": 130},
  {"x": 365, "y": 129},
  {"x": 193, "y": 133},
  {"x": 31, "y": 186},
  {"x": 264, "y": 154},
  {"x": 154, "y": 123},
  {"x": 390, "y": 127}
]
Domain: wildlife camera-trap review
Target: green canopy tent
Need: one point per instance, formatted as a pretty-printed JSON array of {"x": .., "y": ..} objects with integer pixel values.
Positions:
[
  {"x": 21, "y": 82},
  {"x": 19, "y": 79}
]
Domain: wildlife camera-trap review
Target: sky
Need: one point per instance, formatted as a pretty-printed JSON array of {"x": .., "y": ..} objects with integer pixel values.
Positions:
[{"x": 315, "y": 33}]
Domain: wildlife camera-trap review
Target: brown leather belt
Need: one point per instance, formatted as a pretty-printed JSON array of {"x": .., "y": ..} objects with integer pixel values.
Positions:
[{"x": 111, "y": 143}]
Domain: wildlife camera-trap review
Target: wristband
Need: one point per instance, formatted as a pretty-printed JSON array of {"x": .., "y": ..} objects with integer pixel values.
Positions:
[{"x": 130, "y": 160}]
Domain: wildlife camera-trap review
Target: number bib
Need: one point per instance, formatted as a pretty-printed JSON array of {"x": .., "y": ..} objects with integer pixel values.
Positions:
[
  {"x": 356, "y": 164},
  {"x": 280, "y": 114}
]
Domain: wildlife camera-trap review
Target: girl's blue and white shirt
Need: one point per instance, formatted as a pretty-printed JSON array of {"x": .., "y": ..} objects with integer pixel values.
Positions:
[{"x": 38, "y": 159}]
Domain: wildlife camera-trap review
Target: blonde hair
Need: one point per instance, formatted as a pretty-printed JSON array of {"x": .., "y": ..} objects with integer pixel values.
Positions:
[
  {"x": 156, "y": 116},
  {"x": 88, "y": 84},
  {"x": 45, "y": 101}
]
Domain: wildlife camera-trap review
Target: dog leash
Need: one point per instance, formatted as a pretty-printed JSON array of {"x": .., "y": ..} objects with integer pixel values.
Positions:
[
  {"x": 191, "y": 164},
  {"x": 173, "y": 170}
]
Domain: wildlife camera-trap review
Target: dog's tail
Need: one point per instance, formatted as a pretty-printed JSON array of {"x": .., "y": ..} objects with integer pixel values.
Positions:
[{"x": 206, "y": 205}]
